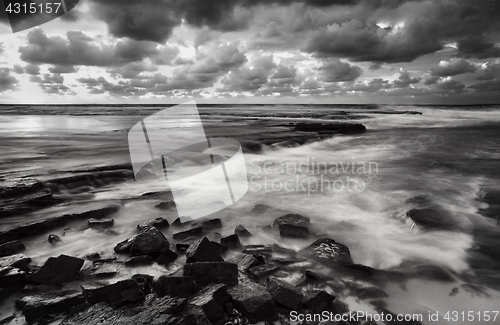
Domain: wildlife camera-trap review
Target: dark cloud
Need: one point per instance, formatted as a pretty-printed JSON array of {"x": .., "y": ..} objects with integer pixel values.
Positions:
[
  {"x": 282, "y": 81},
  {"x": 101, "y": 85},
  {"x": 18, "y": 69},
  {"x": 1, "y": 48},
  {"x": 490, "y": 85},
  {"x": 373, "y": 85},
  {"x": 478, "y": 48},
  {"x": 79, "y": 49},
  {"x": 453, "y": 67},
  {"x": 450, "y": 85},
  {"x": 431, "y": 80},
  {"x": 7, "y": 81},
  {"x": 404, "y": 80},
  {"x": 249, "y": 78},
  {"x": 489, "y": 72},
  {"x": 32, "y": 69},
  {"x": 63, "y": 69},
  {"x": 339, "y": 71},
  {"x": 52, "y": 84}
]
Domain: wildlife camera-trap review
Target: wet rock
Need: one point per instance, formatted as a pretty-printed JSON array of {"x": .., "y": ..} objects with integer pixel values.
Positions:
[
  {"x": 117, "y": 294},
  {"x": 364, "y": 290},
  {"x": 149, "y": 242},
  {"x": 432, "y": 218},
  {"x": 260, "y": 208},
  {"x": 202, "y": 250},
  {"x": 293, "y": 225},
  {"x": 145, "y": 282},
  {"x": 231, "y": 242},
  {"x": 359, "y": 269},
  {"x": 12, "y": 247},
  {"x": 293, "y": 278},
  {"x": 58, "y": 270},
  {"x": 139, "y": 260},
  {"x": 157, "y": 222},
  {"x": 245, "y": 261},
  {"x": 328, "y": 252},
  {"x": 254, "y": 301},
  {"x": 11, "y": 277},
  {"x": 211, "y": 300},
  {"x": 92, "y": 256},
  {"x": 318, "y": 301},
  {"x": 343, "y": 128},
  {"x": 27, "y": 203},
  {"x": 105, "y": 222},
  {"x": 166, "y": 257},
  {"x": 211, "y": 224},
  {"x": 54, "y": 239},
  {"x": 184, "y": 244},
  {"x": 261, "y": 270},
  {"x": 104, "y": 270},
  {"x": 242, "y": 231},
  {"x": 35, "y": 307},
  {"x": 257, "y": 249},
  {"x": 21, "y": 186},
  {"x": 19, "y": 261},
  {"x": 194, "y": 232},
  {"x": 205, "y": 273},
  {"x": 284, "y": 294},
  {"x": 178, "y": 286},
  {"x": 166, "y": 205},
  {"x": 219, "y": 247}
]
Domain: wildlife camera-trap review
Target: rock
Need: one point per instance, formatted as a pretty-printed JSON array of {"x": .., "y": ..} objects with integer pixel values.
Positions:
[
  {"x": 433, "y": 218},
  {"x": 202, "y": 250},
  {"x": 11, "y": 277},
  {"x": 157, "y": 222},
  {"x": 58, "y": 270},
  {"x": 260, "y": 208},
  {"x": 181, "y": 286},
  {"x": 105, "y": 222},
  {"x": 184, "y": 244},
  {"x": 54, "y": 239},
  {"x": 12, "y": 247},
  {"x": 245, "y": 261},
  {"x": 343, "y": 128},
  {"x": 19, "y": 261},
  {"x": 293, "y": 278},
  {"x": 166, "y": 205},
  {"x": 92, "y": 256},
  {"x": 166, "y": 257},
  {"x": 27, "y": 203},
  {"x": 104, "y": 270},
  {"x": 328, "y": 252},
  {"x": 254, "y": 301},
  {"x": 261, "y": 270},
  {"x": 35, "y": 307},
  {"x": 194, "y": 232},
  {"x": 145, "y": 282},
  {"x": 231, "y": 242},
  {"x": 284, "y": 294},
  {"x": 359, "y": 269},
  {"x": 117, "y": 294},
  {"x": 364, "y": 290},
  {"x": 318, "y": 301},
  {"x": 211, "y": 224},
  {"x": 21, "y": 186},
  {"x": 242, "y": 231},
  {"x": 293, "y": 225},
  {"x": 257, "y": 249},
  {"x": 149, "y": 242},
  {"x": 205, "y": 273},
  {"x": 139, "y": 260},
  {"x": 212, "y": 300},
  {"x": 219, "y": 247}
]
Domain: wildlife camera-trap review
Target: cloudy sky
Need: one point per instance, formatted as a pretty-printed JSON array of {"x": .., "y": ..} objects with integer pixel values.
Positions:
[{"x": 256, "y": 51}]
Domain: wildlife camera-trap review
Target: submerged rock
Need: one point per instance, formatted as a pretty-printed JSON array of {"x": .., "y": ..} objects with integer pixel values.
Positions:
[
  {"x": 205, "y": 273},
  {"x": 53, "y": 239},
  {"x": 242, "y": 231},
  {"x": 254, "y": 301},
  {"x": 12, "y": 247},
  {"x": 293, "y": 225},
  {"x": 260, "y": 208},
  {"x": 58, "y": 270},
  {"x": 203, "y": 250},
  {"x": 166, "y": 205},
  {"x": 328, "y": 252},
  {"x": 432, "y": 218},
  {"x": 105, "y": 222},
  {"x": 344, "y": 128}
]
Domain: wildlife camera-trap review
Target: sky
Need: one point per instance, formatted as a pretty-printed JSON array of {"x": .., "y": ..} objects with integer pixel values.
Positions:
[{"x": 255, "y": 51}]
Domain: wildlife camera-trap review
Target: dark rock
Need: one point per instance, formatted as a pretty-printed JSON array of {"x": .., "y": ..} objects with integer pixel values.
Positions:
[
  {"x": 219, "y": 247},
  {"x": 343, "y": 128},
  {"x": 179, "y": 286},
  {"x": 257, "y": 249},
  {"x": 35, "y": 307},
  {"x": 293, "y": 225},
  {"x": 145, "y": 282},
  {"x": 284, "y": 294},
  {"x": 54, "y": 239},
  {"x": 18, "y": 187},
  {"x": 245, "y": 261},
  {"x": 105, "y": 222},
  {"x": 318, "y": 301},
  {"x": 57, "y": 270},
  {"x": 166, "y": 257},
  {"x": 166, "y": 205},
  {"x": 184, "y": 244},
  {"x": 364, "y": 290},
  {"x": 328, "y": 252},
  {"x": 211, "y": 224},
  {"x": 211, "y": 300},
  {"x": 27, "y": 203},
  {"x": 261, "y": 270},
  {"x": 432, "y": 218},
  {"x": 202, "y": 250},
  {"x": 92, "y": 256},
  {"x": 11, "y": 277},
  {"x": 157, "y": 222},
  {"x": 149, "y": 242},
  {"x": 104, "y": 270},
  {"x": 254, "y": 301},
  {"x": 19, "y": 261},
  {"x": 242, "y": 231},
  {"x": 205, "y": 273},
  {"x": 231, "y": 242},
  {"x": 359, "y": 269},
  {"x": 117, "y": 294},
  {"x": 194, "y": 232},
  {"x": 260, "y": 208},
  {"x": 139, "y": 260},
  {"x": 12, "y": 247}
]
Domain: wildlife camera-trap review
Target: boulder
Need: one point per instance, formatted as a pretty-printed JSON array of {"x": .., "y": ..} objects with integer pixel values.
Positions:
[
  {"x": 261, "y": 270},
  {"x": 245, "y": 261},
  {"x": 194, "y": 232},
  {"x": 180, "y": 286},
  {"x": 166, "y": 205},
  {"x": 184, "y": 244},
  {"x": 293, "y": 225},
  {"x": 231, "y": 242},
  {"x": 328, "y": 252},
  {"x": 145, "y": 282},
  {"x": 205, "y": 273},
  {"x": 117, "y": 294},
  {"x": 157, "y": 222},
  {"x": 260, "y": 208},
  {"x": 35, "y": 307},
  {"x": 242, "y": 231},
  {"x": 139, "y": 260},
  {"x": 219, "y": 247},
  {"x": 12, "y": 247},
  {"x": 211, "y": 224},
  {"x": 149, "y": 242},
  {"x": 318, "y": 301},
  {"x": 166, "y": 257},
  {"x": 105, "y": 222},
  {"x": 19, "y": 261},
  {"x": 57, "y": 270},
  {"x": 53, "y": 239},
  {"x": 284, "y": 294},
  {"x": 254, "y": 301},
  {"x": 203, "y": 250},
  {"x": 432, "y": 218},
  {"x": 11, "y": 277},
  {"x": 211, "y": 300}
]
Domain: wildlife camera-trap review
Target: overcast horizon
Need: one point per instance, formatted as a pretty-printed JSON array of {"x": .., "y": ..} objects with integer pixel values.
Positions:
[{"x": 243, "y": 51}]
